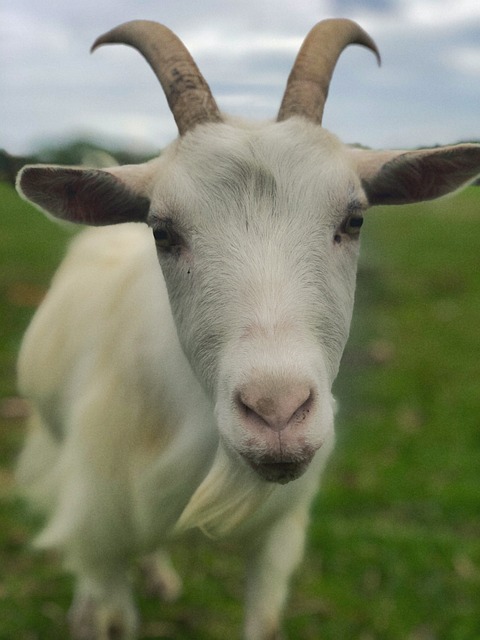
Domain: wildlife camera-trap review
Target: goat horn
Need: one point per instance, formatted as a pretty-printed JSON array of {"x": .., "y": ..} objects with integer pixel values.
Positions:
[
  {"x": 309, "y": 80},
  {"x": 188, "y": 95}
]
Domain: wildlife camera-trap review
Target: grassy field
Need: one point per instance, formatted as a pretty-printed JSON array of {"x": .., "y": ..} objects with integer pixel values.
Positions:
[{"x": 394, "y": 548}]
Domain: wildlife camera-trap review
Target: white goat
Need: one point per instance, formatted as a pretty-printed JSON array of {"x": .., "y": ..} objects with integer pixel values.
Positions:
[{"x": 198, "y": 394}]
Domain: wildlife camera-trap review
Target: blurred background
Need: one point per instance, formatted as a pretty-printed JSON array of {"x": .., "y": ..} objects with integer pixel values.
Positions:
[
  {"x": 394, "y": 548},
  {"x": 426, "y": 93}
]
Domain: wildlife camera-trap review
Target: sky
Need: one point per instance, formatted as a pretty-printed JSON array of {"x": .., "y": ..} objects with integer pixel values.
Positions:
[{"x": 426, "y": 92}]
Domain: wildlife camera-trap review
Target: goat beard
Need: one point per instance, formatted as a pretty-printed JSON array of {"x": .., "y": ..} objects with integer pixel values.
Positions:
[{"x": 230, "y": 494}]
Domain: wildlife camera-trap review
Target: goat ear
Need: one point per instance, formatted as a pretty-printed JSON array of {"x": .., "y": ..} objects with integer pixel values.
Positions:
[
  {"x": 399, "y": 177},
  {"x": 86, "y": 196}
]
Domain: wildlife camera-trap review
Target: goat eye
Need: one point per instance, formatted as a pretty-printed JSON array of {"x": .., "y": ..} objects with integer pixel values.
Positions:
[
  {"x": 162, "y": 238},
  {"x": 353, "y": 225},
  {"x": 167, "y": 239},
  {"x": 350, "y": 227}
]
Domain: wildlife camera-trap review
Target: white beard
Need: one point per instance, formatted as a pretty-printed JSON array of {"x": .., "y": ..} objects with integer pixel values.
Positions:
[{"x": 229, "y": 495}]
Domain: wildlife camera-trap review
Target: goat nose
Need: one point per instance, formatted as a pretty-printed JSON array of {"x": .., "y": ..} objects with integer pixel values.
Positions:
[{"x": 277, "y": 408}]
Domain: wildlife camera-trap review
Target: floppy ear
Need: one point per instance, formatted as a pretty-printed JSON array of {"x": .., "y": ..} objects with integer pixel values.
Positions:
[
  {"x": 402, "y": 177},
  {"x": 87, "y": 196}
]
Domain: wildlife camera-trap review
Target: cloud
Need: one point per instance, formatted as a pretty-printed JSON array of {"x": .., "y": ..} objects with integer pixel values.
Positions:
[
  {"x": 23, "y": 32},
  {"x": 443, "y": 14},
  {"x": 233, "y": 45},
  {"x": 465, "y": 60},
  {"x": 52, "y": 88}
]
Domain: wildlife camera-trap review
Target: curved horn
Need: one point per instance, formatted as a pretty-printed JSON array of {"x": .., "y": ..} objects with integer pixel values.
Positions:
[
  {"x": 188, "y": 95},
  {"x": 309, "y": 80}
]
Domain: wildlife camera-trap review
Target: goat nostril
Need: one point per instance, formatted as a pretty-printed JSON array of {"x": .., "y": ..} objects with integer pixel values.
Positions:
[
  {"x": 248, "y": 411},
  {"x": 304, "y": 409},
  {"x": 276, "y": 411}
]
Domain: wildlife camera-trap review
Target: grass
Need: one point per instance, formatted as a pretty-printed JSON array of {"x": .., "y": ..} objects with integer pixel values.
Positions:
[{"x": 394, "y": 546}]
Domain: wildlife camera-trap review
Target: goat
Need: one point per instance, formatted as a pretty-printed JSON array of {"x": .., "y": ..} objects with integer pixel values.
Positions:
[{"x": 197, "y": 394}]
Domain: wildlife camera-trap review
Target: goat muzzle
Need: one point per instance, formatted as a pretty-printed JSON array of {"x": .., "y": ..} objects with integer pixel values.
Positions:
[{"x": 280, "y": 471}]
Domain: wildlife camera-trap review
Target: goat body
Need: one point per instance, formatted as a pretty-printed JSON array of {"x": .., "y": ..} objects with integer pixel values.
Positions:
[{"x": 198, "y": 394}]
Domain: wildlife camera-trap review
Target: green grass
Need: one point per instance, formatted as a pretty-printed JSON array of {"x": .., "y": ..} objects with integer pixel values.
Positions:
[{"x": 394, "y": 547}]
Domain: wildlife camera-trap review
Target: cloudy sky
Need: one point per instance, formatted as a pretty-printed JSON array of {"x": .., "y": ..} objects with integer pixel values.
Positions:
[{"x": 426, "y": 92}]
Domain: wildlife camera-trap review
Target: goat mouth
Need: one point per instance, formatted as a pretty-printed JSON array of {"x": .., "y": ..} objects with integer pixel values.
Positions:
[{"x": 280, "y": 472}]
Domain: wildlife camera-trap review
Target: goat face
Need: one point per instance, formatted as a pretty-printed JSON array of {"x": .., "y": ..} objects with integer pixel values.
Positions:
[{"x": 257, "y": 237}]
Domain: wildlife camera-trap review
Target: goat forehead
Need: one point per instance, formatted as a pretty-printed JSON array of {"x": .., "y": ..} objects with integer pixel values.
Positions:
[{"x": 287, "y": 168}]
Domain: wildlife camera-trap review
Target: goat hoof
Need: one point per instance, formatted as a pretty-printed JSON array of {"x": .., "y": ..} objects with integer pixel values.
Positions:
[
  {"x": 160, "y": 578},
  {"x": 115, "y": 631},
  {"x": 81, "y": 620}
]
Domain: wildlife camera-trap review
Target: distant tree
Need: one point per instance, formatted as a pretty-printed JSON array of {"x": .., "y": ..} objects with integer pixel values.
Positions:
[
  {"x": 78, "y": 152},
  {"x": 89, "y": 153},
  {"x": 10, "y": 165}
]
